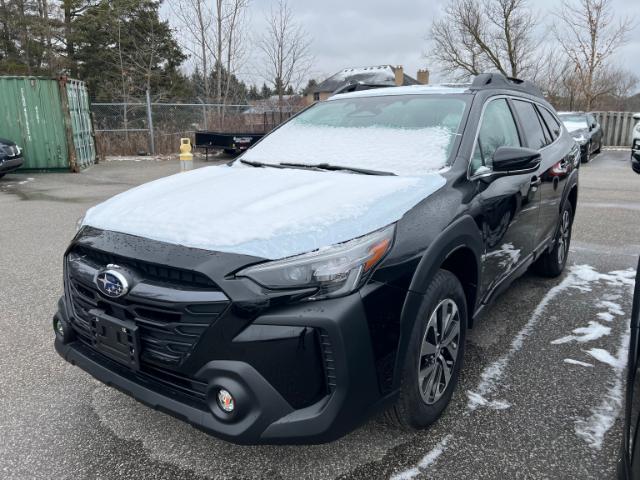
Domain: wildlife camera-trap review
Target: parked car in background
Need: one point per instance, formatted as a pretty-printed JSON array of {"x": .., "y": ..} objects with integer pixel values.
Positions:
[
  {"x": 336, "y": 268},
  {"x": 10, "y": 157},
  {"x": 635, "y": 144},
  {"x": 585, "y": 130},
  {"x": 629, "y": 461}
]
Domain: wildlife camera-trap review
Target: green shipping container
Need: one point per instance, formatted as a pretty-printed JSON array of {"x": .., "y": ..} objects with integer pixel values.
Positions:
[{"x": 50, "y": 119}]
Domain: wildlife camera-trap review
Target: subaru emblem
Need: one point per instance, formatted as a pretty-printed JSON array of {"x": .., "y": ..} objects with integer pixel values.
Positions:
[{"x": 112, "y": 283}]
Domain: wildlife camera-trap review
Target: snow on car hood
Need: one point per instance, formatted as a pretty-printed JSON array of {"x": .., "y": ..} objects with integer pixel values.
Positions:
[{"x": 266, "y": 212}]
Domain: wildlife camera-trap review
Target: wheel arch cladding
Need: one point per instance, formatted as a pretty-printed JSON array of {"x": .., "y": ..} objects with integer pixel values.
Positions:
[{"x": 457, "y": 249}]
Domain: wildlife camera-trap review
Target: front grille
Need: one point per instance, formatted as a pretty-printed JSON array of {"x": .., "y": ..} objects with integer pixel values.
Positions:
[
  {"x": 328, "y": 360},
  {"x": 168, "y": 330},
  {"x": 150, "y": 271}
]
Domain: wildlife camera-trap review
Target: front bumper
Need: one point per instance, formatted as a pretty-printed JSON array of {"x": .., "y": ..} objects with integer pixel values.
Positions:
[
  {"x": 262, "y": 414},
  {"x": 10, "y": 165}
]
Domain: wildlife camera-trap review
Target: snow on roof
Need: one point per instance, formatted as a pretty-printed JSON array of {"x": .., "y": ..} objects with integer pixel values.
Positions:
[
  {"x": 407, "y": 90},
  {"x": 378, "y": 75}
]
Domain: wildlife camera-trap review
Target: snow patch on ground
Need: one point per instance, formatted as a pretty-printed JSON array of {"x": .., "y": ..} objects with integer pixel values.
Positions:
[
  {"x": 612, "y": 308},
  {"x": 577, "y": 362},
  {"x": 579, "y": 277},
  {"x": 479, "y": 401},
  {"x": 140, "y": 158},
  {"x": 426, "y": 461},
  {"x": 594, "y": 331},
  {"x": 604, "y": 356},
  {"x": 606, "y": 316},
  {"x": 594, "y": 428}
]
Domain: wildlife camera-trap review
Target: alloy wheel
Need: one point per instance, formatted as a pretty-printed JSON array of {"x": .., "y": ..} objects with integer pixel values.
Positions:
[
  {"x": 439, "y": 351},
  {"x": 563, "y": 237}
]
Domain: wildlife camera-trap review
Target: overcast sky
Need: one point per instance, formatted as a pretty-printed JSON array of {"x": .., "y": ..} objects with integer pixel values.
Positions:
[{"x": 351, "y": 33}]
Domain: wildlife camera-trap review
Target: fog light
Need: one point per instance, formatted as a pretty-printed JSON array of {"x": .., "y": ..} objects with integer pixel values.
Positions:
[
  {"x": 57, "y": 326},
  {"x": 226, "y": 401}
]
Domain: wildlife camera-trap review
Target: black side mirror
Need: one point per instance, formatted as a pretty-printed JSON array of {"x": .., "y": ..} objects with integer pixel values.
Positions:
[{"x": 515, "y": 160}]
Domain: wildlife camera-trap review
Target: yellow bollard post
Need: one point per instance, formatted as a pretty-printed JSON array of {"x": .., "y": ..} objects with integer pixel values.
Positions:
[{"x": 186, "y": 157}]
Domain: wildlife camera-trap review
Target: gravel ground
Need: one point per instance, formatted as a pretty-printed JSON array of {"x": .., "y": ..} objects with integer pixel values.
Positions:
[{"x": 521, "y": 409}]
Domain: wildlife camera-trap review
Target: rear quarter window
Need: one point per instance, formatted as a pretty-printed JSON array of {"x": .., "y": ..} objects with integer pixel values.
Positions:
[
  {"x": 552, "y": 123},
  {"x": 530, "y": 123}
]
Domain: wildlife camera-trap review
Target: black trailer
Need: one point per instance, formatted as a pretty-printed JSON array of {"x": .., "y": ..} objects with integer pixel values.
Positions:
[{"x": 231, "y": 143}]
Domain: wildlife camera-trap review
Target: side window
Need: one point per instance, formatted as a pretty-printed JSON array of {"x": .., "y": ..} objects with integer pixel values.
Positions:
[
  {"x": 497, "y": 129},
  {"x": 547, "y": 133},
  {"x": 550, "y": 120},
  {"x": 531, "y": 124}
]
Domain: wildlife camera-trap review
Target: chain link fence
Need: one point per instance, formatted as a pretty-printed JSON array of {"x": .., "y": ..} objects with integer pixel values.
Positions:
[{"x": 141, "y": 128}]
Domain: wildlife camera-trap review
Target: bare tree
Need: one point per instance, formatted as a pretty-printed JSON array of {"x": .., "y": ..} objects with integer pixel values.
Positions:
[
  {"x": 229, "y": 48},
  {"x": 589, "y": 36},
  {"x": 475, "y": 36},
  {"x": 196, "y": 21},
  {"x": 624, "y": 84},
  {"x": 286, "y": 49},
  {"x": 212, "y": 35}
]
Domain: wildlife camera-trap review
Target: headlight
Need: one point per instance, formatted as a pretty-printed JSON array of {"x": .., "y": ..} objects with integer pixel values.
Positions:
[
  {"x": 581, "y": 138},
  {"x": 334, "y": 271}
]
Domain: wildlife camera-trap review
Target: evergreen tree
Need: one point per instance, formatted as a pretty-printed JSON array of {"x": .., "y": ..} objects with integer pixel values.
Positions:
[
  {"x": 121, "y": 48},
  {"x": 265, "y": 91}
]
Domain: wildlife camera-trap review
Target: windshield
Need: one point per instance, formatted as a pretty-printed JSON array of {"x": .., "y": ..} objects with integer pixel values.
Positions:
[
  {"x": 403, "y": 134},
  {"x": 573, "y": 121}
]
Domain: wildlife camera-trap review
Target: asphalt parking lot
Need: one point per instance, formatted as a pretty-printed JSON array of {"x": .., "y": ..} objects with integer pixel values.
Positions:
[{"x": 539, "y": 395}]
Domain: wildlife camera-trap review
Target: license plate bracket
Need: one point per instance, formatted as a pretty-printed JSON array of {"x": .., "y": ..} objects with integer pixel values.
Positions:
[{"x": 117, "y": 339}]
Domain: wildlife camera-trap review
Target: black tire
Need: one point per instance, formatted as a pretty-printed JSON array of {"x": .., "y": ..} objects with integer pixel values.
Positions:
[
  {"x": 599, "y": 147},
  {"x": 2, "y": 175},
  {"x": 587, "y": 155},
  {"x": 411, "y": 410},
  {"x": 552, "y": 262}
]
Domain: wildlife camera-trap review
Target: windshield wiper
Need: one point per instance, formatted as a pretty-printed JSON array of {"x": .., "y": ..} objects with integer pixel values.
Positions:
[
  {"x": 260, "y": 164},
  {"x": 328, "y": 166}
]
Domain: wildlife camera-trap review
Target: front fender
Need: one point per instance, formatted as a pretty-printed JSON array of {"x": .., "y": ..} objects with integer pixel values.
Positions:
[{"x": 462, "y": 233}]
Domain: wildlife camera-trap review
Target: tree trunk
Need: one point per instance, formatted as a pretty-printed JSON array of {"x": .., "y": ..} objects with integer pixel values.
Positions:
[{"x": 70, "y": 47}]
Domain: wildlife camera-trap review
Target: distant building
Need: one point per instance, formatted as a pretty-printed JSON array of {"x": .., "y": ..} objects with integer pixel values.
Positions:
[{"x": 379, "y": 75}]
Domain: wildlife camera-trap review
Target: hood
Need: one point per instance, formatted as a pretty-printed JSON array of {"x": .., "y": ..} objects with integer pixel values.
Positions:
[
  {"x": 583, "y": 132},
  {"x": 4, "y": 141},
  {"x": 265, "y": 212}
]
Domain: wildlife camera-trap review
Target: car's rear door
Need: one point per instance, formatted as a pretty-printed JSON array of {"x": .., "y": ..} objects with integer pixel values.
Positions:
[{"x": 555, "y": 164}]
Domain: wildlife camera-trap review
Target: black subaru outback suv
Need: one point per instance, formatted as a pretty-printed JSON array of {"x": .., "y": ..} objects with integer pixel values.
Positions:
[{"x": 331, "y": 271}]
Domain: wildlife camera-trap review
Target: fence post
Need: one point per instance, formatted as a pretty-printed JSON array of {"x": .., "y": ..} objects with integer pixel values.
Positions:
[
  {"x": 152, "y": 144},
  {"x": 205, "y": 125}
]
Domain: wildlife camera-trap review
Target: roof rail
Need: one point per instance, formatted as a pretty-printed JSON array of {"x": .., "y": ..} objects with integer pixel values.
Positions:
[
  {"x": 498, "y": 80},
  {"x": 355, "y": 86}
]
